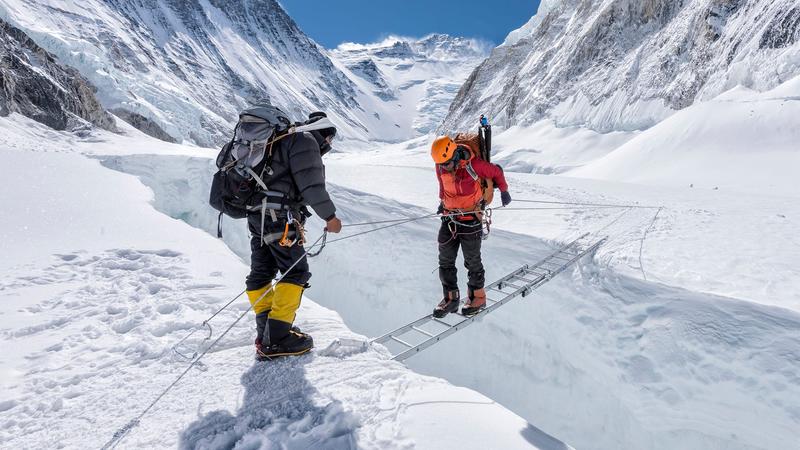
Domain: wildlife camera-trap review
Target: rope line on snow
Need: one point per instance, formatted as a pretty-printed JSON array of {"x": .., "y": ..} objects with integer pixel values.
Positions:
[
  {"x": 396, "y": 222},
  {"x": 644, "y": 236},
  {"x": 122, "y": 432},
  {"x": 552, "y": 202},
  {"x": 205, "y": 323}
]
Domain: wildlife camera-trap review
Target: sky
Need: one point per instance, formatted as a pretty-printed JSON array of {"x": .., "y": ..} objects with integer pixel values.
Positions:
[{"x": 332, "y": 22}]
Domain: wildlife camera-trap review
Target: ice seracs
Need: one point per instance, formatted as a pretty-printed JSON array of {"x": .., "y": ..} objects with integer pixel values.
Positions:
[{"x": 625, "y": 65}]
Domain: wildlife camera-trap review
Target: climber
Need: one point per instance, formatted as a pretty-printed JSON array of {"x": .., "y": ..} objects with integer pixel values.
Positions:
[
  {"x": 296, "y": 180},
  {"x": 463, "y": 194}
]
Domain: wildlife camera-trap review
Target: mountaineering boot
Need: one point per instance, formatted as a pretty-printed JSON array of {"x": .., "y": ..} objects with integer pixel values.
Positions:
[
  {"x": 281, "y": 338},
  {"x": 284, "y": 340},
  {"x": 476, "y": 302},
  {"x": 261, "y": 325},
  {"x": 448, "y": 304}
]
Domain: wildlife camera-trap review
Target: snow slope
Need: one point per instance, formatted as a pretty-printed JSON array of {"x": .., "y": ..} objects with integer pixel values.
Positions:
[
  {"x": 184, "y": 69},
  {"x": 190, "y": 67},
  {"x": 100, "y": 286},
  {"x": 701, "y": 355},
  {"x": 741, "y": 140},
  {"x": 599, "y": 357}
]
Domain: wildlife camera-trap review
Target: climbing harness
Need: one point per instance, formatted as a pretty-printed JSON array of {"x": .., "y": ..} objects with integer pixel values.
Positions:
[{"x": 295, "y": 226}]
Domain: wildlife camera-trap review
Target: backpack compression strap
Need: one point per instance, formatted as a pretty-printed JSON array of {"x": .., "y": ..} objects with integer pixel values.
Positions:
[{"x": 471, "y": 171}]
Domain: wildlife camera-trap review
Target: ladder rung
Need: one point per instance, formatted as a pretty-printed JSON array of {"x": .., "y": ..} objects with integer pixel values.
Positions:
[
  {"x": 550, "y": 263},
  {"x": 420, "y": 330},
  {"x": 442, "y": 322},
  {"x": 506, "y": 283},
  {"x": 533, "y": 272},
  {"x": 526, "y": 280},
  {"x": 402, "y": 342}
]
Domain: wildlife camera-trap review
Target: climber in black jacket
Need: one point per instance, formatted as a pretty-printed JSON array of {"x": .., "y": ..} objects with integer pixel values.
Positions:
[{"x": 296, "y": 181}]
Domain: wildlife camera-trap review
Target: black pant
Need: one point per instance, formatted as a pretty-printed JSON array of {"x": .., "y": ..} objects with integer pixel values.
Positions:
[
  {"x": 268, "y": 258},
  {"x": 453, "y": 234}
]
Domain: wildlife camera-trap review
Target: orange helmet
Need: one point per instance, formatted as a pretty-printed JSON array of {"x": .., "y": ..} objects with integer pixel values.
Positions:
[{"x": 443, "y": 149}]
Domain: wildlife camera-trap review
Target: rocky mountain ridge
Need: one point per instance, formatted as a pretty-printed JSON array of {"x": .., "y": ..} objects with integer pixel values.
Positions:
[{"x": 33, "y": 83}]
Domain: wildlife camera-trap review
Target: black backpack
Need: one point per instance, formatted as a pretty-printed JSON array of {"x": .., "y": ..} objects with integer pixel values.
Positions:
[{"x": 238, "y": 187}]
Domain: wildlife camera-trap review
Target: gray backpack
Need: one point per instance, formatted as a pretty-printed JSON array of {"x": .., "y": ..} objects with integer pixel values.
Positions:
[{"x": 238, "y": 187}]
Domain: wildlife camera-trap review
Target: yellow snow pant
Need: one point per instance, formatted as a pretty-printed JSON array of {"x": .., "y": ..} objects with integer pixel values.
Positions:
[
  {"x": 281, "y": 302},
  {"x": 265, "y": 302}
]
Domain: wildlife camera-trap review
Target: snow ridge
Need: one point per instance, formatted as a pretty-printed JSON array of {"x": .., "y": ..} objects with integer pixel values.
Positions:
[{"x": 418, "y": 77}]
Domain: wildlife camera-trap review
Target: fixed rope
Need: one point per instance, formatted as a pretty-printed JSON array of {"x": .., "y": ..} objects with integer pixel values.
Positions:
[
  {"x": 205, "y": 323},
  {"x": 644, "y": 236},
  {"x": 389, "y": 223},
  {"x": 553, "y": 202}
]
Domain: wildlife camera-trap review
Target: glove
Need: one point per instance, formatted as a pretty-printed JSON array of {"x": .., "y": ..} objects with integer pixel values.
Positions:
[
  {"x": 505, "y": 197},
  {"x": 440, "y": 210},
  {"x": 333, "y": 225}
]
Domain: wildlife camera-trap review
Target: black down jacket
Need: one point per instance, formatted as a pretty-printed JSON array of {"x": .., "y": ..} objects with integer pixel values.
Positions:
[{"x": 298, "y": 173}]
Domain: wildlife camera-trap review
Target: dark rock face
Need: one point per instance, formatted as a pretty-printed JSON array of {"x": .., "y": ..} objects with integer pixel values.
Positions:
[
  {"x": 34, "y": 84},
  {"x": 196, "y": 62},
  {"x": 143, "y": 124},
  {"x": 783, "y": 31}
]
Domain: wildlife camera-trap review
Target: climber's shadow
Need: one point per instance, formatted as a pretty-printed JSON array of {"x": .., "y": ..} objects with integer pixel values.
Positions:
[{"x": 277, "y": 408}]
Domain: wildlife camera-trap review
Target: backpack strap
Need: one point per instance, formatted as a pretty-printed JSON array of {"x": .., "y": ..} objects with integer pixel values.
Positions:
[{"x": 471, "y": 171}]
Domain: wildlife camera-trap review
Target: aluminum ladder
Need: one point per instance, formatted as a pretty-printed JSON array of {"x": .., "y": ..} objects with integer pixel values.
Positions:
[{"x": 412, "y": 338}]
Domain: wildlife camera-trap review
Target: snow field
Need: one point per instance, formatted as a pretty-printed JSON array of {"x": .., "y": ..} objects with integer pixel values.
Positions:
[
  {"x": 91, "y": 315},
  {"x": 743, "y": 141}
]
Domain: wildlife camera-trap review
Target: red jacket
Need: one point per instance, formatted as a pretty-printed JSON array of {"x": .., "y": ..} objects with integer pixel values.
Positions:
[{"x": 459, "y": 190}]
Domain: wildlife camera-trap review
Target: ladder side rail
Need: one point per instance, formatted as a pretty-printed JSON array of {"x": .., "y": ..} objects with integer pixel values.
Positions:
[
  {"x": 402, "y": 356},
  {"x": 577, "y": 257},
  {"x": 562, "y": 249},
  {"x": 405, "y": 328}
]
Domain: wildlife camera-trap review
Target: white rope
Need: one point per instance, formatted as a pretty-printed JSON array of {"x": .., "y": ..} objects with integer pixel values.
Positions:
[
  {"x": 205, "y": 323},
  {"x": 644, "y": 236},
  {"x": 585, "y": 204}
]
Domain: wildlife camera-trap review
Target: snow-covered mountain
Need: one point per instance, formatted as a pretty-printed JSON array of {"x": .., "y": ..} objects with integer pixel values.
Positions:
[
  {"x": 181, "y": 70},
  {"x": 34, "y": 84},
  {"x": 417, "y": 77},
  {"x": 628, "y": 64}
]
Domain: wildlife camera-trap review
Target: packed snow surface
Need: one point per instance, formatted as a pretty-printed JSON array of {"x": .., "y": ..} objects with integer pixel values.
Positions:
[{"x": 100, "y": 286}]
